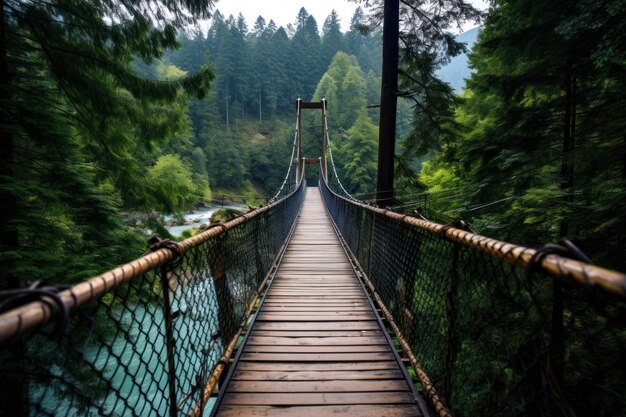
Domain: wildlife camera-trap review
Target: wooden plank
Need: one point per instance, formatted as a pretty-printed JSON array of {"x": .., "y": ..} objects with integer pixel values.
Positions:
[
  {"x": 378, "y": 410},
  {"x": 314, "y": 304},
  {"x": 339, "y": 315},
  {"x": 318, "y": 386},
  {"x": 316, "y": 366},
  {"x": 316, "y": 349},
  {"x": 313, "y": 284},
  {"x": 283, "y": 317},
  {"x": 372, "y": 374},
  {"x": 317, "y": 357},
  {"x": 316, "y": 291},
  {"x": 339, "y": 325},
  {"x": 320, "y": 308},
  {"x": 318, "y": 398},
  {"x": 317, "y": 297},
  {"x": 327, "y": 333},
  {"x": 315, "y": 341}
]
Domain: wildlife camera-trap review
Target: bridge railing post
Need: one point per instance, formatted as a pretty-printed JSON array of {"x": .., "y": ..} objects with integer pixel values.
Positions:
[
  {"x": 452, "y": 347},
  {"x": 170, "y": 342},
  {"x": 557, "y": 332}
]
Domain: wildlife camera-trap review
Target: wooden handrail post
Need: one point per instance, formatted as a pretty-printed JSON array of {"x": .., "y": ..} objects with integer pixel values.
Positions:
[{"x": 170, "y": 342}]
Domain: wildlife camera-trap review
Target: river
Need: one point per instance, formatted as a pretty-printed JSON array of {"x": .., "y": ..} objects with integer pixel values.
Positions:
[
  {"x": 199, "y": 217},
  {"x": 134, "y": 365}
]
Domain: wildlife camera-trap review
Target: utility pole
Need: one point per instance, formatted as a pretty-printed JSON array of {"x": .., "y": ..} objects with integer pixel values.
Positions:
[{"x": 388, "y": 103}]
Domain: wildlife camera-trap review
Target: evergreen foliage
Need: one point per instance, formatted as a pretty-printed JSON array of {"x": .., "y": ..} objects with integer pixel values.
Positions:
[
  {"x": 535, "y": 152},
  {"x": 74, "y": 116},
  {"x": 245, "y": 126},
  {"x": 541, "y": 127}
]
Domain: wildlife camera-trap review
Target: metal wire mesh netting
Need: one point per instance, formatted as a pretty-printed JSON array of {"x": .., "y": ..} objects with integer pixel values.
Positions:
[
  {"x": 495, "y": 338},
  {"x": 147, "y": 342}
]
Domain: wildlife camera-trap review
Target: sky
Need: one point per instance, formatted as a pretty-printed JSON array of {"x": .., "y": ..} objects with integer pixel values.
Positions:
[{"x": 284, "y": 12}]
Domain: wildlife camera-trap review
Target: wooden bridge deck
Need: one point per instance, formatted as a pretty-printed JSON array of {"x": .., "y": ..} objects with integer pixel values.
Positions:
[{"x": 317, "y": 347}]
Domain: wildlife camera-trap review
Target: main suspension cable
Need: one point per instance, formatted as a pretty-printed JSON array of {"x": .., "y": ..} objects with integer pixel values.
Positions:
[
  {"x": 293, "y": 155},
  {"x": 332, "y": 161}
]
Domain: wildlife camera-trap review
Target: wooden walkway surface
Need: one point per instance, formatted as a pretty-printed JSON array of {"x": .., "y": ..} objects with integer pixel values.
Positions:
[{"x": 316, "y": 347}]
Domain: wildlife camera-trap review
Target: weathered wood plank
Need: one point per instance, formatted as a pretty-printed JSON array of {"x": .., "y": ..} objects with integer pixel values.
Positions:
[
  {"x": 395, "y": 410},
  {"x": 316, "y": 366},
  {"x": 318, "y": 386},
  {"x": 309, "y": 333},
  {"x": 317, "y": 357},
  {"x": 371, "y": 374},
  {"x": 310, "y": 318},
  {"x": 301, "y": 398},
  {"x": 338, "y": 325},
  {"x": 316, "y": 348},
  {"x": 318, "y": 308},
  {"x": 282, "y": 342}
]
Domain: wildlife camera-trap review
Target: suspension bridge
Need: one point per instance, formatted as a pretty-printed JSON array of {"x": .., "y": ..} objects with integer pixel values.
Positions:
[{"x": 320, "y": 304}]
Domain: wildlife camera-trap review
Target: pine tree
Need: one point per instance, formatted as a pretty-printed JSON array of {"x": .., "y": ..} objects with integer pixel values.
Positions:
[
  {"x": 71, "y": 127},
  {"x": 357, "y": 154},
  {"x": 542, "y": 117},
  {"x": 332, "y": 38},
  {"x": 305, "y": 52}
]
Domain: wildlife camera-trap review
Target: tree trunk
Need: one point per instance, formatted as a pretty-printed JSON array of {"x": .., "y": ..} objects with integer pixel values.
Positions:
[
  {"x": 388, "y": 103},
  {"x": 227, "y": 121},
  {"x": 569, "y": 126},
  {"x": 8, "y": 208},
  {"x": 14, "y": 384},
  {"x": 557, "y": 347}
]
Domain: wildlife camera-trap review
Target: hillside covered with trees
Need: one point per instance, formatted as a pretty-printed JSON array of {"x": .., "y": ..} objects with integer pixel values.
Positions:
[
  {"x": 536, "y": 148},
  {"x": 151, "y": 122},
  {"x": 245, "y": 127}
]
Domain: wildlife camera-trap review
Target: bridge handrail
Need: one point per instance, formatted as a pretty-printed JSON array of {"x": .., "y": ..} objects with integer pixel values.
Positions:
[
  {"x": 162, "y": 325},
  {"x": 490, "y": 327},
  {"x": 37, "y": 313},
  {"x": 584, "y": 274}
]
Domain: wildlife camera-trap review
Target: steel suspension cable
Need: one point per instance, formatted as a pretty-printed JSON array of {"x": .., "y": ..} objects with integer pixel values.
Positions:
[
  {"x": 293, "y": 157},
  {"x": 332, "y": 161}
]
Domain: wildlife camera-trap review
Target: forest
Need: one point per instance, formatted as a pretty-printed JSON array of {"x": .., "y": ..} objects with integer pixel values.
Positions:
[
  {"x": 159, "y": 119},
  {"x": 118, "y": 113}
]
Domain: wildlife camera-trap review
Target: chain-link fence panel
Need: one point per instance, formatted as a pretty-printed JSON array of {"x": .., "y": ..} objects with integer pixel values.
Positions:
[
  {"x": 499, "y": 330},
  {"x": 145, "y": 338}
]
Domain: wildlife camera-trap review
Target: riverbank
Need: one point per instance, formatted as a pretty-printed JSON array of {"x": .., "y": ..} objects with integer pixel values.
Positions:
[{"x": 176, "y": 225}]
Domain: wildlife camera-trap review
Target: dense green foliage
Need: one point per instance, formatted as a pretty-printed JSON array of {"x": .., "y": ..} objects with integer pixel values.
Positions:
[
  {"x": 116, "y": 130},
  {"x": 79, "y": 128},
  {"x": 103, "y": 113},
  {"x": 541, "y": 128},
  {"x": 245, "y": 127},
  {"x": 534, "y": 152}
]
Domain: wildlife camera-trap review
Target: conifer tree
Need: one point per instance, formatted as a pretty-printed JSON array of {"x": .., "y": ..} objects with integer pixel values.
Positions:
[
  {"x": 540, "y": 115},
  {"x": 332, "y": 38},
  {"x": 72, "y": 126}
]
